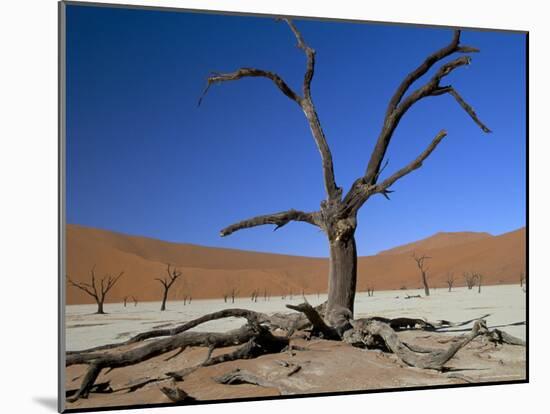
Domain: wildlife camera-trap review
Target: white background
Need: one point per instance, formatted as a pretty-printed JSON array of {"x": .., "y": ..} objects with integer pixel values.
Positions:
[{"x": 28, "y": 206}]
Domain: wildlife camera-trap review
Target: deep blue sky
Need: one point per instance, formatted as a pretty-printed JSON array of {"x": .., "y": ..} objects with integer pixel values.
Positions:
[{"x": 143, "y": 159}]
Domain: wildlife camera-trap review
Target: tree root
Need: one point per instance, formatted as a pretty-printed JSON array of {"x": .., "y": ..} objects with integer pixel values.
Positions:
[
  {"x": 256, "y": 339},
  {"x": 426, "y": 358},
  {"x": 238, "y": 376},
  {"x": 176, "y": 394}
]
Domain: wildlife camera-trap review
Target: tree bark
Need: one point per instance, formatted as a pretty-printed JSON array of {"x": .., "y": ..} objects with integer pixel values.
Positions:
[
  {"x": 164, "y": 298},
  {"x": 100, "y": 308},
  {"x": 425, "y": 283},
  {"x": 342, "y": 278}
]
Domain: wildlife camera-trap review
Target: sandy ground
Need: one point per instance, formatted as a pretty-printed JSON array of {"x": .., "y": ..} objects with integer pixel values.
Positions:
[
  {"x": 505, "y": 304},
  {"x": 325, "y": 366}
]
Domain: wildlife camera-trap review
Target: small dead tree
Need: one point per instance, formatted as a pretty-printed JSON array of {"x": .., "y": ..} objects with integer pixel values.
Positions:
[
  {"x": 420, "y": 262},
  {"x": 266, "y": 296},
  {"x": 479, "y": 277},
  {"x": 450, "y": 280},
  {"x": 521, "y": 279},
  {"x": 234, "y": 292},
  {"x": 167, "y": 283},
  {"x": 254, "y": 295},
  {"x": 370, "y": 291},
  {"x": 470, "y": 279},
  {"x": 98, "y": 291}
]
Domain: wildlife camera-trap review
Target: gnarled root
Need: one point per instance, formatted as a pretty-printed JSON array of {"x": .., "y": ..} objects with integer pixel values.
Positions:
[
  {"x": 372, "y": 332},
  {"x": 258, "y": 340}
]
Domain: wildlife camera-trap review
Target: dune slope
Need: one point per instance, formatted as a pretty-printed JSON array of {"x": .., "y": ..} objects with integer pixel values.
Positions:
[{"x": 209, "y": 272}]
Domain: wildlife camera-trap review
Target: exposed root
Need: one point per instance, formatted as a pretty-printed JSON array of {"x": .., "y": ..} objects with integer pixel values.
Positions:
[
  {"x": 252, "y": 317},
  {"x": 427, "y": 359},
  {"x": 319, "y": 325},
  {"x": 176, "y": 394},
  {"x": 256, "y": 338},
  {"x": 500, "y": 337},
  {"x": 238, "y": 376}
]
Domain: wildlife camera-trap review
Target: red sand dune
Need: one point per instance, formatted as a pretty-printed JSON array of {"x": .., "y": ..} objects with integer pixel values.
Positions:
[{"x": 209, "y": 272}]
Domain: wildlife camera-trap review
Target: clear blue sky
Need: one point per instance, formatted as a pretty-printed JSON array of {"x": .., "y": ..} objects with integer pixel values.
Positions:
[{"x": 143, "y": 159}]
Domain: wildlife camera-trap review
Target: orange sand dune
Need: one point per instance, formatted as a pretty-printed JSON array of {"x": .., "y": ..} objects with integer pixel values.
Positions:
[{"x": 209, "y": 272}]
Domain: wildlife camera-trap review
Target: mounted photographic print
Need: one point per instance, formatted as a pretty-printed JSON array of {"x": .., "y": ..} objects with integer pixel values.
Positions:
[{"x": 258, "y": 207}]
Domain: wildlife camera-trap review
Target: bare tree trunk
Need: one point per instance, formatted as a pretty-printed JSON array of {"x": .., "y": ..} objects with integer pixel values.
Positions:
[
  {"x": 425, "y": 283},
  {"x": 100, "y": 308},
  {"x": 342, "y": 274},
  {"x": 164, "y": 297}
]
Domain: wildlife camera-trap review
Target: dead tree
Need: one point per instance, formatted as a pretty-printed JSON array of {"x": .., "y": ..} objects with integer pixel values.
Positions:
[
  {"x": 450, "y": 280},
  {"x": 234, "y": 292},
  {"x": 167, "y": 283},
  {"x": 99, "y": 290},
  {"x": 423, "y": 269},
  {"x": 521, "y": 279},
  {"x": 370, "y": 291},
  {"x": 337, "y": 216},
  {"x": 479, "y": 277},
  {"x": 470, "y": 279}
]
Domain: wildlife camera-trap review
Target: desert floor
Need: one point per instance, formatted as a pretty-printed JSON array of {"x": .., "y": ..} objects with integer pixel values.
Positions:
[{"x": 325, "y": 366}]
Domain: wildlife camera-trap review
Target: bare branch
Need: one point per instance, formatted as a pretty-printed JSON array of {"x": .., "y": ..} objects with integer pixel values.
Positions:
[
  {"x": 310, "y": 54},
  {"x": 420, "y": 260},
  {"x": 111, "y": 281},
  {"x": 468, "y": 109},
  {"x": 421, "y": 70},
  {"x": 161, "y": 281},
  {"x": 81, "y": 286},
  {"x": 305, "y": 102},
  {"x": 332, "y": 190},
  {"x": 254, "y": 73},
  {"x": 278, "y": 219},
  {"x": 399, "y": 106},
  {"x": 415, "y": 164}
]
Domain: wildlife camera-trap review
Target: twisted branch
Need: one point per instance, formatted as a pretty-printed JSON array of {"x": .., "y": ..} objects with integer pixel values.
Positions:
[{"x": 278, "y": 219}]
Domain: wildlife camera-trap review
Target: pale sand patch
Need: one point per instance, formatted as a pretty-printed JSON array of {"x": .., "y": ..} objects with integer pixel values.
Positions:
[{"x": 504, "y": 303}]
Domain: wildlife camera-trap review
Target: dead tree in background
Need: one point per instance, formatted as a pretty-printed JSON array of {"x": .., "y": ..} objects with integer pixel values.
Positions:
[
  {"x": 234, "y": 292},
  {"x": 370, "y": 291},
  {"x": 423, "y": 269},
  {"x": 337, "y": 216},
  {"x": 521, "y": 279},
  {"x": 450, "y": 280},
  {"x": 167, "y": 283},
  {"x": 470, "y": 279},
  {"x": 98, "y": 291},
  {"x": 479, "y": 277}
]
